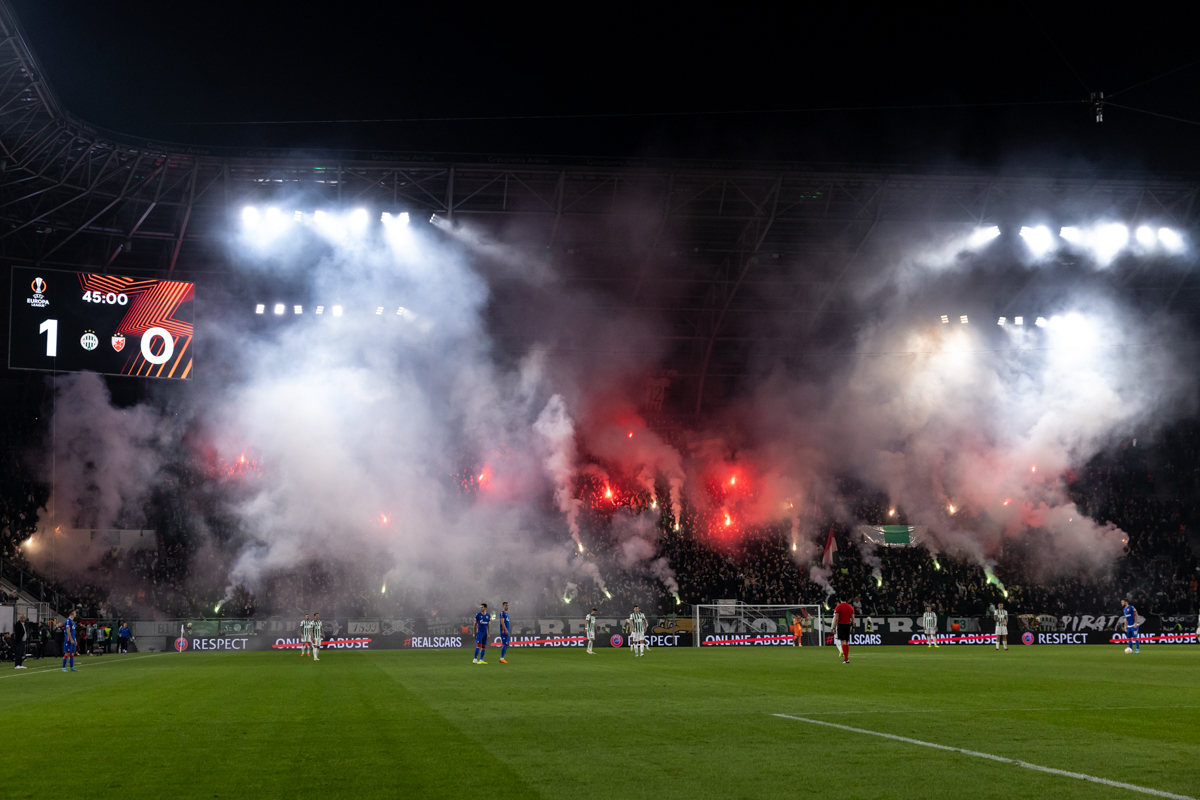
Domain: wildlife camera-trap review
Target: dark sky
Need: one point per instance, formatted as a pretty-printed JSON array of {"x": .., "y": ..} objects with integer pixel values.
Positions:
[{"x": 144, "y": 68}]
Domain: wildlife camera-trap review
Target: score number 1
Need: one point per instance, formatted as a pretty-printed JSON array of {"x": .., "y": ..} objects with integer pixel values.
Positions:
[{"x": 50, "y": 327}]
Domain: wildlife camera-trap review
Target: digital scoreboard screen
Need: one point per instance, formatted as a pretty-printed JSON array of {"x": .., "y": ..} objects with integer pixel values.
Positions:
[{"x": 75, "y": 321}]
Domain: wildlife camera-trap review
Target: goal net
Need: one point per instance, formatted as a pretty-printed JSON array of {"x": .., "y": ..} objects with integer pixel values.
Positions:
[{"x": 733, "y": 623}]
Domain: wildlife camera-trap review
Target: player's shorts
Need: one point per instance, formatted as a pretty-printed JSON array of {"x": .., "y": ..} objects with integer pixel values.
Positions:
[
  {"x": 68, "y": 649},
  {"x": 481, "y": 640},
  {"x": 591, "y": 637},
  {"x": 1132, "y": 631},
  {"x": 843, "y": 632},
  {"x": 504, "y": 638},
  {"x": 1002, "y": 630}
]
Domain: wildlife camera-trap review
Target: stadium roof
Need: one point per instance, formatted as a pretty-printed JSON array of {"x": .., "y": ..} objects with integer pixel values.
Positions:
[{"x": 708, "y": 248}]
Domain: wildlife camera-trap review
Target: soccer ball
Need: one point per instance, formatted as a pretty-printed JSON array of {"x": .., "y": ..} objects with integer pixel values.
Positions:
[{"x": 1128, "y": 649}]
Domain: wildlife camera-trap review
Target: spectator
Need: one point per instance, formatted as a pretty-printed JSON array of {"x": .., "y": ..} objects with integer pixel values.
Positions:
[{"x": 43, "y": 634}]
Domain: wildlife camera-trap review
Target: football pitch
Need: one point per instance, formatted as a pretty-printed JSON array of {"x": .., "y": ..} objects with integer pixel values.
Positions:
[{"x": 753, "y": 722}]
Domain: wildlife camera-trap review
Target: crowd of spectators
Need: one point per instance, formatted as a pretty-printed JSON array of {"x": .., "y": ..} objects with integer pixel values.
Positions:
[{"x": 1149, "y": 492}]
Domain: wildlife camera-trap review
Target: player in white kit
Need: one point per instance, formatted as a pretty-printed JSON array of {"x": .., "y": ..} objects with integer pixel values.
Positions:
[
  {"x": 305, "y": 636},
  {"x": 1001, "y": 626},
  {"x": 637, "y": 632},
  {"x": 590, "y": 619},
  {"x": 314, "y": 635},
  {"x": 929, "y": 623}
]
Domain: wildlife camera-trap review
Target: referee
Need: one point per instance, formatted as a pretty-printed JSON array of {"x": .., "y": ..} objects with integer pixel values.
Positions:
[{"x": 843, "y": 615}]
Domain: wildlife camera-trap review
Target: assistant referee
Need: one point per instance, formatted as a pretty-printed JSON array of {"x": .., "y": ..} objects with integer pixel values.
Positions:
[{"x": 843, "y": 615}]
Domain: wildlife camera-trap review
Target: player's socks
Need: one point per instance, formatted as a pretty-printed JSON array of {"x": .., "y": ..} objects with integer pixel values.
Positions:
[
  {"x": 72, "y": 662},
  {"x": 503, "y": 651},
  {"x": 476, "y": 654}
]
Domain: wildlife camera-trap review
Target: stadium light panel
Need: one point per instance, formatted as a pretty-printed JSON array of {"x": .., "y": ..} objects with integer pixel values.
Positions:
[
  {"x": 358, "y": 219},
  {"x": 1170, "y": 239},
  {"x": 1109, "y": 240},
  {"x": 963, "y": 319},
  {"x": 400, "y": 311},
  {"x": 945, "y": 319},
  {"x": 1000, "y": 321},
  {"x": 1038, "y": 239},
  {"x": 337, "y": 311},
  {"x": 297, "y": 216},
  {"x": 982, "y": 236},
  {"x": 250, "y": 216},
  {"x": 260, "y": 308},
  {"x": 1145, "y": 236},
  {"x": 1071, "y": 234},
  {"x": 379, "y": 311},
  {"x": 279, "y": 308},
  {"x": 1018, "y": 320},
  {"x": 1040, "y": 322},
  {"x": 298, "y": 309},
  {"x": 320, "y": 309}
]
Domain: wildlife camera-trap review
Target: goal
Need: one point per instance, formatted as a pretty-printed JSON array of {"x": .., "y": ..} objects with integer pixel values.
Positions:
[{"x": 732, "y": 623}]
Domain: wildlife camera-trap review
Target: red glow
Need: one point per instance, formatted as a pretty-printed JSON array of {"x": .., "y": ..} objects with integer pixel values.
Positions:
[
  {"x": 733, "y": 480},
  {"x": 631, "y": 434},
  {"x": 728, "y": 519},
  {"x": 608, "y": 493},
  {"x": 1006, "y": 502},
  {"x": 384, "y": 518},
  {"x": 242, "y": 458},
  {"x": 1033, "y": 468}
]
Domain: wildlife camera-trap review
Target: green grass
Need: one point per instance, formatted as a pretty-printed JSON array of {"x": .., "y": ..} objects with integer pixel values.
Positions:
[{"x": 556, "y": 723}]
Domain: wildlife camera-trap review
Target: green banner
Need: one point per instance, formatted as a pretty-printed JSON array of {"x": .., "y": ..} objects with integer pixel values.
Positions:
[
  {"x": 897, "y": 534},
  {"x": 235, "y": 627},
  {"x": 202, "y": 627}
]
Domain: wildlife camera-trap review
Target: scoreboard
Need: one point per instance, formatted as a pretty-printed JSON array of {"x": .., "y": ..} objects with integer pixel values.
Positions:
[{"x": 74, "y": 321}]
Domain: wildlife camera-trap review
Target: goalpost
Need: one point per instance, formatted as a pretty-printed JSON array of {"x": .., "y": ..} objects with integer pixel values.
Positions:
[{"x": 733, "y": 623}]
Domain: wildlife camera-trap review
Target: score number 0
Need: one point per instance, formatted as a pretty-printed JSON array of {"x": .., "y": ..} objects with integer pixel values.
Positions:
[{"x": 50, "y": 328}]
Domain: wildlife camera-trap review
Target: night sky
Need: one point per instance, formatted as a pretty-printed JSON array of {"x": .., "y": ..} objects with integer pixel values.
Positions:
[{"x": 147, "y": 68}]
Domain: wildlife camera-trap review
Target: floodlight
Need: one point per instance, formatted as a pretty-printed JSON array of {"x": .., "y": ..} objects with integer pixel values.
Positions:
[
  {"x": 1039, "y": 239},
  {"x": 982, "y": 236},
  {"x": 1072, "y": 235},
  {"x": 1170, "y": 239},
  {"x": 1109, "y": 240},
  {"x": 1018, "y": 320},
  {"x": 963, "y": 319},
  {"x": 260, "y": 308},
  {"x": 337, "y": 311},
  {"x": 400, "y": 311},
  {"x": 279, "y": 307},
  {"x": 274, "y": 216},
  {"x": 403, "y": 218},
  {"x": 1001, "y": 321},
  {"x": 385, "y": 218},
  {"x": 358, "y": 219},
  {"x": 320, "y": 309},
  {"x": 1145, "y": 236},
  {"x": 1040, "y": 322},
  {"x": 379, "y": 311},
  {"x": 945, "y": 319},
  {"x": 250, "y": 216},
  {"x": 297, "y": 216},
  {"x": 298, "y": 309}
]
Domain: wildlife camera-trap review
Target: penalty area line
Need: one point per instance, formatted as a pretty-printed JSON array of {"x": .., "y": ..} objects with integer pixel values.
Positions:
[
  {"x": 45, "y": 670},
  {"x": 1001, "y": 759}
]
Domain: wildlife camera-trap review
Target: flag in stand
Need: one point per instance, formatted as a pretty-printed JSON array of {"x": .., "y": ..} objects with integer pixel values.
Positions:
[{"x": 830, "y": 549}]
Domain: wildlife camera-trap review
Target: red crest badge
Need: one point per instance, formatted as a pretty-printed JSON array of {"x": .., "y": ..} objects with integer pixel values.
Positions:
[{"x": 118, "y": 341}]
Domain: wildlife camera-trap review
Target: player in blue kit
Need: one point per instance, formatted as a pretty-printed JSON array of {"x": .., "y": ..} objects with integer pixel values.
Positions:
[
  {"x": 481, "y": 629},
  {"x": 1131, "y": 625},
  {"x": 505, "y": 632},
  {"x": 69, "y": 641}
]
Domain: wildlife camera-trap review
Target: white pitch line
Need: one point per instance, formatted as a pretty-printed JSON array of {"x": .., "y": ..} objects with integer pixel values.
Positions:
[
  {"x": 998, "y": 710},
  {"x": 81, "y": 666},
  {"x": 1001, "y": 759}
]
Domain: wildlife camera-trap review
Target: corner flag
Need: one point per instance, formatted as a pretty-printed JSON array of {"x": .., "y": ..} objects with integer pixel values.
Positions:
[{"x": 830, "y": 549}]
